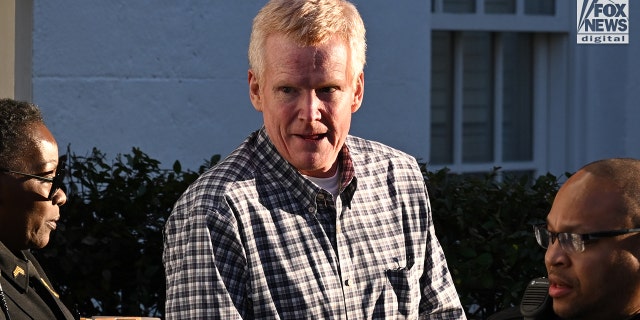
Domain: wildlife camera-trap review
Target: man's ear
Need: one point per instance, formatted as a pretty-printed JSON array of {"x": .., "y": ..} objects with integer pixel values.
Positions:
[
  {"x": 358, "y": 93},
  {"x": 254, "y": 91}
]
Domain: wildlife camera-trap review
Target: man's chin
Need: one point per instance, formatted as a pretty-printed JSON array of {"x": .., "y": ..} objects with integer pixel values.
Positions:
[
  {"x": 564, "y": 309},
  {"x": 316, "y": 170}
]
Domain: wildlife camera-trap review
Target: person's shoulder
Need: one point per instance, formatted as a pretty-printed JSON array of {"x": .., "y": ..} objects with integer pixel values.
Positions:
[
  {"x": 239, "y": 165},
  {"x": 370, "y": 150}
]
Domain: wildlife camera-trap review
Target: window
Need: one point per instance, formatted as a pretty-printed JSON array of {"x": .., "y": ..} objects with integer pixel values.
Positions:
[
  {"x": 481, "y": 97},
  {"x": 489, "y": 83},
  {"x": 532, "y": 7}
]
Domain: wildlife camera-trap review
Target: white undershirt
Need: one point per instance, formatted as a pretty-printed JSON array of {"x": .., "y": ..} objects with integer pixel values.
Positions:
[{"x": 330, "y": 184}]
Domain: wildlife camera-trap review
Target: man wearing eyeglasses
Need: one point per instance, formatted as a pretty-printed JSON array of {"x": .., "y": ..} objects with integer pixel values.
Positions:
[
  {"x": 30, "y": 197},
  {"x": 592, "y": 237}
]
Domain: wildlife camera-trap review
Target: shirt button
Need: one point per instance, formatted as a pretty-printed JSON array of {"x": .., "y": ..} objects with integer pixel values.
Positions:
[
  {"x": 347, "y": 282},
  {"x": 320, "y": 196},
  {"x": 311, "y": 209}
]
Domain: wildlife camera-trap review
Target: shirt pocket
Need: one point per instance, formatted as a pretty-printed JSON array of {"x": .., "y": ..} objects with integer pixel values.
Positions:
[{"x": 405, "y": 283}]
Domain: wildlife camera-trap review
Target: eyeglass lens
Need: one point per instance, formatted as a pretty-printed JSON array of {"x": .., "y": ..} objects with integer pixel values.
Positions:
[
  {"x": 58, "y": 182},
  {"x": 570, "y": 242}
]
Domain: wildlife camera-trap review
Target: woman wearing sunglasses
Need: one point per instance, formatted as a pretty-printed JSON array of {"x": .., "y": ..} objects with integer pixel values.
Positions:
[{"x": 30, "y": 200}]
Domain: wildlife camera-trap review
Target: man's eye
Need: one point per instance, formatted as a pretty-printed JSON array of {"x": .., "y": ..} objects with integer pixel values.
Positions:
[
  {"x": 328, "y": 90},
  {"x": 286, "y": 89}
]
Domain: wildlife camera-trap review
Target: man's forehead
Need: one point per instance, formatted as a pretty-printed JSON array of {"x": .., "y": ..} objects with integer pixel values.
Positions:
[{"x": 586, "y": 200}]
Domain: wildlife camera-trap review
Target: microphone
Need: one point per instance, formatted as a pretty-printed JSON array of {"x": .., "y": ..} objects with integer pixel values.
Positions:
[{"x": 536, "y": 303}]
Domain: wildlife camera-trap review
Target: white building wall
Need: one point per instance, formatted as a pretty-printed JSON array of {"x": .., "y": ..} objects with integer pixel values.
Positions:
[
  {"x": 170, "y": 77},
  {"x": 632, "y": 102},
  {"x": 606, "y": 109}
]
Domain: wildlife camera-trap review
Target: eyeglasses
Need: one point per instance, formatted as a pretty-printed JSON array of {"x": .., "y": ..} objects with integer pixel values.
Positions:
[
  {"x": 573, "y": 242},
  {"x": 57, "y": 182}
]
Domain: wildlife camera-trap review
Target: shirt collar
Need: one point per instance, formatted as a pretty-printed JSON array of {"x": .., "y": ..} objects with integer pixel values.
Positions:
[{"x": 280, "y": 170}]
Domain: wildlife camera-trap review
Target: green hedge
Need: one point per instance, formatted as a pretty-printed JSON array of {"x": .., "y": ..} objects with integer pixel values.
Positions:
[
  {"x": 485, "y": 229},
  {"x": 106, "y": 257}
]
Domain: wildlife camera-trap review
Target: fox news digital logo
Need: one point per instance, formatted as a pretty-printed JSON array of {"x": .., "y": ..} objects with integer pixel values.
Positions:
[{"x": 603, "y": 21}]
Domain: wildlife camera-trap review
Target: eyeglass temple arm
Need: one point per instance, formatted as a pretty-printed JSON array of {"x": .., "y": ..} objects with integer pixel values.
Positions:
[
  {"x": 606, "y": 234},
  {"x": 28, "y": 175}
]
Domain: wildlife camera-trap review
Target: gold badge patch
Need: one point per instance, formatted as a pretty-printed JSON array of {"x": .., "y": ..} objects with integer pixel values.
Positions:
[{"x": 18, "y": 270}]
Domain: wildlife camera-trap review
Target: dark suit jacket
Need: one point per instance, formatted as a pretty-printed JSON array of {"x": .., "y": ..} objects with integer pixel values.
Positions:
[{"x": 27, "y": 290}]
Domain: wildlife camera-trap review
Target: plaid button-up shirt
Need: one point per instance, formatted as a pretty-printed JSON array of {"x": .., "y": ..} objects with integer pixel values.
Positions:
[{"x": 253, "y": 238}]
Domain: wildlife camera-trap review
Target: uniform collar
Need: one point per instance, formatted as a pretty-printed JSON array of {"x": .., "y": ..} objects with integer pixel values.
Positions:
[{"x": 16, "y": 269}]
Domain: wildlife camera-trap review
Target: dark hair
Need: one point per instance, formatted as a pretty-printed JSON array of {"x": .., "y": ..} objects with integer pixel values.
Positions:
[{"x": 16, "y": 117}]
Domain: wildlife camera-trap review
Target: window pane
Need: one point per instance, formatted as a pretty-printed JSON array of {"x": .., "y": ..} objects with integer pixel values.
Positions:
[
  {"x": 541, "y": 7},
  {"x": 500, "y": 6},
  {"x": 517, "y": 127},
  {"x": 477, "y": 131},
  {"x": 441, "y": 97},
  {"x": 459, "y": 6}
]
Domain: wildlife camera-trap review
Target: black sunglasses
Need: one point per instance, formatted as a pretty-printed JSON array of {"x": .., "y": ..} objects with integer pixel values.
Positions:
[{"x": 57, "y": 182}]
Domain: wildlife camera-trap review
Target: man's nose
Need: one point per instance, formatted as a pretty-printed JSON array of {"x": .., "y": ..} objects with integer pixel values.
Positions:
[
  {"x": 309, "y": 107},
  {"x": 555, "y": 255}
]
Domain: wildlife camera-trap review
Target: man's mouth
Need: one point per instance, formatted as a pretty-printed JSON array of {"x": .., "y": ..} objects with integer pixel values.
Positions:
[
  {"x": 312, "y": 136},
  {"x": 559, "y": 288}
]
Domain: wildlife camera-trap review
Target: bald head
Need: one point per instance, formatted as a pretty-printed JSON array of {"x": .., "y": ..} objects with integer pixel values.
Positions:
[{"x": 623, "y": 174}]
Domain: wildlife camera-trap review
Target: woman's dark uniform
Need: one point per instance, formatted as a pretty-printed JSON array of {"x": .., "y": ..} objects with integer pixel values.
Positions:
[{"x": 27, "y": 290}]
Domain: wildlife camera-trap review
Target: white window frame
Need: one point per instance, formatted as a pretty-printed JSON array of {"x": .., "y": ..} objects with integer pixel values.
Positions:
[{"x": 550, "y": 81}]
